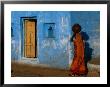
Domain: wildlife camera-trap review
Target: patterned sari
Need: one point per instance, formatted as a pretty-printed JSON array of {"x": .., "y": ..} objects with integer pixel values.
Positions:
[{"x": 78, "y": 64}]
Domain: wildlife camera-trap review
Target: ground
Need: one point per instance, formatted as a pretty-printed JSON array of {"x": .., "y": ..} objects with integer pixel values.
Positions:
[{"x": 23, "y": 70}]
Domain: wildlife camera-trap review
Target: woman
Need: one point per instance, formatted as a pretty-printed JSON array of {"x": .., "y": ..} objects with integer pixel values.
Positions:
[{"x": 78, "y": 64}]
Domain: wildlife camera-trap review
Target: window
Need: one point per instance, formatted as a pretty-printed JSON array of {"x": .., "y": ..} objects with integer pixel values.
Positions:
[{"x": 49, "y": 30}]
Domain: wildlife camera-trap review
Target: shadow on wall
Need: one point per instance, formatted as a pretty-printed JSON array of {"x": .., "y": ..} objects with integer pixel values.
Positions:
[{"x": 88, "y": 50}]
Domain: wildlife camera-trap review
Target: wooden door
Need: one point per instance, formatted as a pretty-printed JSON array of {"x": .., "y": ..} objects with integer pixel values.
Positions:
[{"x": 30, "y": 38}]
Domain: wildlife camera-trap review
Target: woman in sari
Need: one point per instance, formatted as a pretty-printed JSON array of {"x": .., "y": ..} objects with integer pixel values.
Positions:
[{"x": 78, "y": 64}]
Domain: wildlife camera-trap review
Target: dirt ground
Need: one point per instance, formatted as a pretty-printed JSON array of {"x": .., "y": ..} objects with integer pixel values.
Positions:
[
  {"x": 25, "y": 70},
  {"x": 95, "y": 61}
]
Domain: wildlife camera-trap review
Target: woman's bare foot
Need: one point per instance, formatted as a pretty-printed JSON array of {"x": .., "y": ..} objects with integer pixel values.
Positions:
[{"x": 71, "y": 75}]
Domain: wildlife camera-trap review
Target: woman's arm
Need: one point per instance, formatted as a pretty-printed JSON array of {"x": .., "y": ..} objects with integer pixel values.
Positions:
[
  {"x": 71, "y": 39},
  {"x": 84, "y": 43}
]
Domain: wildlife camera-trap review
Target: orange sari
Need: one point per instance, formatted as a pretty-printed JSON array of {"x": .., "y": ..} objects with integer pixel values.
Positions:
[{"x": 78, "y": 64}]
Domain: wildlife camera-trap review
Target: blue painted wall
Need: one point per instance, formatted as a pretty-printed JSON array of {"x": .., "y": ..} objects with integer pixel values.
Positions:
[
  {"x": 90, "y": 22},
  {"x": 56, "y": 51}
]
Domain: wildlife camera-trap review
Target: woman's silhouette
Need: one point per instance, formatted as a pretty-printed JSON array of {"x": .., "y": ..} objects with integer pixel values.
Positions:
[{"x": 78, "y": 66}]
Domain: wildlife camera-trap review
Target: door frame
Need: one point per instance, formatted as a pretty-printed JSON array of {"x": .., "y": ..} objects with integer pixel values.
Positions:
[{"x": 22, "y": 19}]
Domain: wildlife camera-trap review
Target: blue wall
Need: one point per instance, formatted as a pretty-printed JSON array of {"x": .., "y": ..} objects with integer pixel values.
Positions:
[
  {"x": 90, "y": 22},
  {"x": 56, "y": 51}
]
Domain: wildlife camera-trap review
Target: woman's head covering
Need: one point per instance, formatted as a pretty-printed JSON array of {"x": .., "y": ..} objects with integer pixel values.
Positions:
[{"x": 76, "y": 28}]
